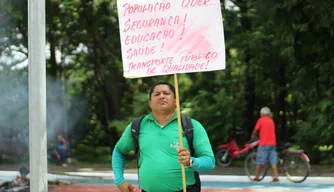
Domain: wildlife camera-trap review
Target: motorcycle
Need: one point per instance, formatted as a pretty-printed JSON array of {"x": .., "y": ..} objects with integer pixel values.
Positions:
[{"x": 230, "y": 151}]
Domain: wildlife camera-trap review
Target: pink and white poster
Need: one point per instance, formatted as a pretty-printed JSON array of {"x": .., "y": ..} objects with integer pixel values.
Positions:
[{"x": 160, "y": 37}]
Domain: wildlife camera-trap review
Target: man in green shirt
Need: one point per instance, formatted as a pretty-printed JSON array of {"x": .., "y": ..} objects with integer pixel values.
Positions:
[{"x": 160, "y": 153}]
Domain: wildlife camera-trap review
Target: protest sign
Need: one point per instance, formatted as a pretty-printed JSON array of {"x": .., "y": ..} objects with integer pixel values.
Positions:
[{"x": 160, "y": 37}]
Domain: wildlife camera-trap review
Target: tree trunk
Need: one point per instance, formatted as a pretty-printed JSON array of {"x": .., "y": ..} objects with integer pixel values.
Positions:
[
  {"x": 53, "y": 62},
  {"x": 282, "y": 104},
  {"x": 250, "y": 99},
  {"x": 250, "y": 79}
]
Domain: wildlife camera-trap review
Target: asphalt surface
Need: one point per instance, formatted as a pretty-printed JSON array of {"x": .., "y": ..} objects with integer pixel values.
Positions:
[
  {"x": 101, "y": 181},
  {"x": 230, "y": 179}
]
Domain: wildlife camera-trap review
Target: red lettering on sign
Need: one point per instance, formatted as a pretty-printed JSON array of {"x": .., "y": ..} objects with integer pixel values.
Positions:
[
  {"x": 189, "y": 56},
  {"x": 184, "y": 67},
  {"x": 141, "y": 51},
  {"x": 130, "y": 9},
  {"x": 164, "y": 34},
  {"x": 150, "y": 23},
  {"x": 194, "y": 3},
  {"x": 150, "y": 63},
  {"x": 151, "y": 71}
]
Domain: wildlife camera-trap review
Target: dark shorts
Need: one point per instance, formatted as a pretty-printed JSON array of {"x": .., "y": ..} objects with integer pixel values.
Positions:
[{"x": 265, "y": 153}]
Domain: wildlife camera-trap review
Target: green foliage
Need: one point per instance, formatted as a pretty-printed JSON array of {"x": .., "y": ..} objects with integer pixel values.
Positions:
[
  {"x": 318, "y": 129},
  {"x": 217, "y": 119},
  {"x": 120, "y": 125},
  {"x": 326, "y": 154},
  {"x": 6, "y": 159},
  {"x": 87, "y": 153},
  {"x": 278, "y": 54}
]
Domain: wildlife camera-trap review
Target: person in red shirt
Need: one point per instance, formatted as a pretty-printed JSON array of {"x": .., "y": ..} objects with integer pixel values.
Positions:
[{"x": 265, "y": 127}]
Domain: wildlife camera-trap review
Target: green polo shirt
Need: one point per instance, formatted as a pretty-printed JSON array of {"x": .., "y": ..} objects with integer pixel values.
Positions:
[{"x": 159, "y": 169}]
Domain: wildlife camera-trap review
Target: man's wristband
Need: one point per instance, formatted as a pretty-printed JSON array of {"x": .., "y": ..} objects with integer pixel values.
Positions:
[{"x": 191, "y": 162}]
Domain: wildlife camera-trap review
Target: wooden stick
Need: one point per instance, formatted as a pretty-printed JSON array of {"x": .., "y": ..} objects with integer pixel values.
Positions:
[{"x": 180, "y": 128}]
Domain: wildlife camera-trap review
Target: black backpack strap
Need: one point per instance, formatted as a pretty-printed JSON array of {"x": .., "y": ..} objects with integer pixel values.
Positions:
[
  {"x": 135, "y": 137},
  {"x": 189, "y": 133},
  {"x": 135, "y": 134}
]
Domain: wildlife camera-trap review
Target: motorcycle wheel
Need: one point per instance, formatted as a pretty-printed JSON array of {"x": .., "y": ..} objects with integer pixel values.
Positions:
[{"x": 219, "y": 158}]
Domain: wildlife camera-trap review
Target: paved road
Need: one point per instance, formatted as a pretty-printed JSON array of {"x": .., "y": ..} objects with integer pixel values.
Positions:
[
  {"x": 103, "y": 182},
  {"x": 86, "y": 188},
  {"x": 230, "y": 181}
]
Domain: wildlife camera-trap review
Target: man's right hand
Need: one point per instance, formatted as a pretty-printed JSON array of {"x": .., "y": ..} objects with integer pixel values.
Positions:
[{"x": 126, "y": 187}]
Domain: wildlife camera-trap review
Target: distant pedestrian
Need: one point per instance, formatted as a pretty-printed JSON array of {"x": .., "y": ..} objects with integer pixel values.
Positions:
[
  {"x": 60, "y": 152},
  {"x": 265, "y": 126}
]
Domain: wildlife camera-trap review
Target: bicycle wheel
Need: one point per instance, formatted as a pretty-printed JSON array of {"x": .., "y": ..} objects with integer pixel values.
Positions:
[
  {"x": 296, "y": 167},
  {"x": 250, "y": 167}
]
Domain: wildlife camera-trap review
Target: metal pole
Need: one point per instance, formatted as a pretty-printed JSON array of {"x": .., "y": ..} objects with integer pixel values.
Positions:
[{"x": 37, "y": 96}]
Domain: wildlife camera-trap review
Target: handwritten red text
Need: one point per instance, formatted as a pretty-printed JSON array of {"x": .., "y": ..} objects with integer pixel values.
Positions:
[
  {"x": 150, "y": 36},
  {"x": 147, "y": 8},
  {"x": 141, "y": 51},
  {"x": 150, "y": 63},
  {"x": 195, "y": 3},
  {"x": 153, "y": 22},
  {"x": 189, "y": 56},
  {"x": 151, "y": 71},
  {"x": 184, "y": 67}
]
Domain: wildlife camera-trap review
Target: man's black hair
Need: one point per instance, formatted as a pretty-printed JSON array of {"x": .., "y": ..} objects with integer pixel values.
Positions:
[{"x": 171, "y": 87}]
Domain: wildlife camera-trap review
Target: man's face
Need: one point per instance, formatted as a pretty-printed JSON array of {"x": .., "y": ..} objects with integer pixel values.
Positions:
[
  {"x": 162, "y": 99},
  {"x": 60, "y": 138}
]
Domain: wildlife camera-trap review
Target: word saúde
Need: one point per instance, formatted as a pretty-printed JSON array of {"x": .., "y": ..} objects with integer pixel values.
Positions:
[{"x": 140, "y": 51}]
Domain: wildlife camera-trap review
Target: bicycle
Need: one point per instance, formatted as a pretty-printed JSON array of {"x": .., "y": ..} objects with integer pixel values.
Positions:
[{"x": 295, "y": 164}]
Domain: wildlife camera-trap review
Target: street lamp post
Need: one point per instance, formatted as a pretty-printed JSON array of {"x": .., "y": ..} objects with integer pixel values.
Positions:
[{"x": 37, "y": 96}]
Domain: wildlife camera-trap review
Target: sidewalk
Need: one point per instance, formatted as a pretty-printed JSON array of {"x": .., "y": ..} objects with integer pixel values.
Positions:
[
  {"x": 316, "y": 171},
  {"x": 100, "y": 179},
  {"x": 103, "y": 182},
  {"x": 85, "y": 188}
]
